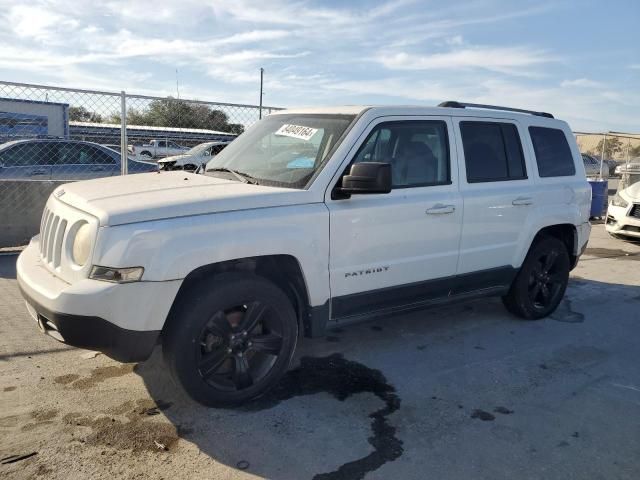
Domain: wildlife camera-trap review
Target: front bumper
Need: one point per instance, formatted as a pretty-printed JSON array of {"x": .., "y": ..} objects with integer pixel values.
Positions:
[
  {"x": 93, "y": 333},
  {"x": 619, "y": 222},
  {"x": 121, "y": 320}
]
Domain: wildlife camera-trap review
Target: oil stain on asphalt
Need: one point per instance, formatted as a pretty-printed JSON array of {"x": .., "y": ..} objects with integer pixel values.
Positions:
[{"x": 343, "y": 378}]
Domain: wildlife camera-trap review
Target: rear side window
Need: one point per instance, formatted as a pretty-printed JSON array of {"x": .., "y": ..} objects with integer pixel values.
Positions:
[
  {"x": 28, "y": 154},
  {"x": 492, "y": 152},
  {"x": 553, "y": 154}
]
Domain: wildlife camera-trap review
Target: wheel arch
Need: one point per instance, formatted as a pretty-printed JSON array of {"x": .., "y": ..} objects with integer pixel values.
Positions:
[
  {"x": 566, "y": 233},
  {"x": 284, "y": 271}
]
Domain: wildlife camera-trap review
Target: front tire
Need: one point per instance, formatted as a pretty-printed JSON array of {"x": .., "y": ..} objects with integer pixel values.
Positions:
[
  {"x": 230, "y": 339},
  {"x": 541, "y": 282}
]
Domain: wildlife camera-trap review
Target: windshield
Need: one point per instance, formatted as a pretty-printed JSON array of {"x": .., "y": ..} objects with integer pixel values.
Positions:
[{"x": 282, "y": 150}]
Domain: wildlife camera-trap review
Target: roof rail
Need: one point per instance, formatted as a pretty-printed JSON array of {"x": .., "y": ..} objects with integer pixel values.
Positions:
[{"x": 454, "y": 104}]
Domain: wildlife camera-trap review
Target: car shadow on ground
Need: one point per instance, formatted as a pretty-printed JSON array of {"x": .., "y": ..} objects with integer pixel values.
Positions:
[{"x": 335, "y": 414}]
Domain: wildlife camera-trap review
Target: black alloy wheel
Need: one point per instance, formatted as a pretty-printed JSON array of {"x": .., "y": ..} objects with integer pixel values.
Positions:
[
  {"x": 541, "y": 282},
  {"x": 230, "y": 339},
  {"x": 239, "y": 346}
]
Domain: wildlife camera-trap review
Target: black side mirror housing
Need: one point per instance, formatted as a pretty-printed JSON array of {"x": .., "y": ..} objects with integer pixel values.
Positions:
[{"x": 367, "y": 178}]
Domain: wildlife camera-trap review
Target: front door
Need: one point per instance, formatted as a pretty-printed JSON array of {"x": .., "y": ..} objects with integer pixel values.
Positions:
[
  {"x": 82, "y": 161},
  {"x": 389, "y": 251}
]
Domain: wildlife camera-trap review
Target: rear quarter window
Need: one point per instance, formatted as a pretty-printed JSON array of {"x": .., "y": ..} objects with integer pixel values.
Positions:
[{"x": 552, "y": 151}]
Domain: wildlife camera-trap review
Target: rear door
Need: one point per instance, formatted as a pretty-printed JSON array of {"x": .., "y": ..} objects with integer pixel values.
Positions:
[
  {"x": 498, "y": 196},
  {"x": 401, "y": 248}
]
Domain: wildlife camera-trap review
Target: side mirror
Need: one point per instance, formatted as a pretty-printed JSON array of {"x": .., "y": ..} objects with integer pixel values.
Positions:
[{"x": 367, "y": 177}]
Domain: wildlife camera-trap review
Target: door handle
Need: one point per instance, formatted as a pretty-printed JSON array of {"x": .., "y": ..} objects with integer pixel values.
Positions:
[
  {"x": 522, "y": 201},
  {"x": 439, "y": 209},
  {"x": 97, "y": 169},
  {"x": 33, "y": 173}
]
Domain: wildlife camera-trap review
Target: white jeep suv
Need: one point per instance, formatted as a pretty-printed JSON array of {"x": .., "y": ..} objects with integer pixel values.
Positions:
[{"x": 312, "y": 218}]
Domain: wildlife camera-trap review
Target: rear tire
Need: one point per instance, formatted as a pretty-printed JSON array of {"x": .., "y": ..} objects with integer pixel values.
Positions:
[
  {"x": 541, "y": 282},
  {"x": 230, "y": 339}
]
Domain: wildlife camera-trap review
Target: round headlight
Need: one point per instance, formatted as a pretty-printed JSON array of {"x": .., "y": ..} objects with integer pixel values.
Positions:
[{"x": 81, "y": 244}]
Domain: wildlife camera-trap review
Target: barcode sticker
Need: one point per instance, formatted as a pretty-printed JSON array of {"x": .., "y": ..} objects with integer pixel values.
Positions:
[{"x": 297, "y": 131}]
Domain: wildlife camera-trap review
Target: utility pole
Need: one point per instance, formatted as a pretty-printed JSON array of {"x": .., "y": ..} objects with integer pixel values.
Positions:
[
  {"x": 261, "y": 81},
  {"x": 177, "y": 85}
]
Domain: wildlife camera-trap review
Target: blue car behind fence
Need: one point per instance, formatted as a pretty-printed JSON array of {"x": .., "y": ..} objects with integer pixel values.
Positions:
[{"x": 58, "y": 159}]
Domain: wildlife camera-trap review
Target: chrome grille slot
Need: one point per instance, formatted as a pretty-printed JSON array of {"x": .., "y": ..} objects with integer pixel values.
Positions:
[
  {"x": 45, "y": 234},
  {"x": 42, "y": 222},
  {"x": 51, "y": 237},
  {"x": 57, "y": 247}
]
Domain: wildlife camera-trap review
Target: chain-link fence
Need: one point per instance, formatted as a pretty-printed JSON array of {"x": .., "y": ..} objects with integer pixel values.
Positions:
[
  {"x": 611, "y": 155},
  {"x": 51, "y": 135}
]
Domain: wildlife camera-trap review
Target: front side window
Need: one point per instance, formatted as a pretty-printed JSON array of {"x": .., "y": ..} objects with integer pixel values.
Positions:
[
  {"x": 492, "y": 152},
  {"x": 418, "y": 152},
  {"x": 553, "y": 154},
  {"x": 281, "y": 150}
]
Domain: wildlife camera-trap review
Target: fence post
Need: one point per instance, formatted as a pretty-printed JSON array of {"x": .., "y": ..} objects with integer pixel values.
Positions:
[
  {"x": 124, "y": 151},
  {"x": 604, "y": 142},
  {"x": 260, "y": 108}
]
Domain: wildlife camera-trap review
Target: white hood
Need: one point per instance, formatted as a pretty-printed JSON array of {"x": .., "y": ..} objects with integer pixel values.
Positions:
[
  {"x": 154, "y": 196},
  {"x": 175, "y": 158}
]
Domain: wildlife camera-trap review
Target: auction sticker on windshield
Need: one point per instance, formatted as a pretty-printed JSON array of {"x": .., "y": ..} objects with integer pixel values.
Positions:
[{"x": 296, "y": 131}]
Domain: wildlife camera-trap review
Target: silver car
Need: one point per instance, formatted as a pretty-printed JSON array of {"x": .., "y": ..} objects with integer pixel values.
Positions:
[{"x": 59, "y": 159}]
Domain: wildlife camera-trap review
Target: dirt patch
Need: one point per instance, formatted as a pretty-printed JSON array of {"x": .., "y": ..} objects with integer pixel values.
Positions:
[
  {"x": 8, "y": 389},
  {"x": 66, "y": 379},
  {"x": 100, "y": 374},
  {"x": 135, "y": 432},
  {"x": 44, "y": 415},
  {"x": 41, "y": 418},
  {"x": 43, "y": 471}
]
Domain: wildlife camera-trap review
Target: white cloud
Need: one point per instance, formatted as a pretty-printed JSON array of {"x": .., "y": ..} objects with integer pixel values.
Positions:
[
  {"x": 580, "y": 82},
  {"x": 499, "y": 59},
  {"x": 37, "y": 22}
]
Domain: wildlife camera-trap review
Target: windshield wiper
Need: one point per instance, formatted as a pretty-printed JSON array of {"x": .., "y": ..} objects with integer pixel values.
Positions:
[{"x": 241, "y": 176}]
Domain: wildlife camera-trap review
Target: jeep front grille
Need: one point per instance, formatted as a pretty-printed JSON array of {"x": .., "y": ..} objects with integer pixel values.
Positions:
[
  {"x": 52, "y": 230},
  {"x": 635, "y": 210}
]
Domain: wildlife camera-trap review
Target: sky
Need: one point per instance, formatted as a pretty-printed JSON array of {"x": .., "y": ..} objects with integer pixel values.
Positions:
[{"x": 579, "y": 60}]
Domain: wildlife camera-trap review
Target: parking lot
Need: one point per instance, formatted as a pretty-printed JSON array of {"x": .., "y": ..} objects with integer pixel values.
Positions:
[{"x": 463, "y": 391}]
